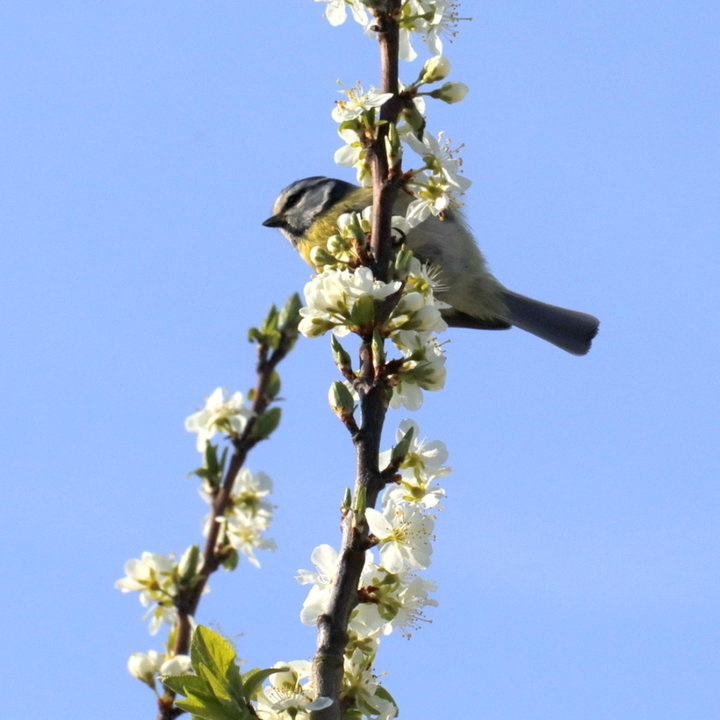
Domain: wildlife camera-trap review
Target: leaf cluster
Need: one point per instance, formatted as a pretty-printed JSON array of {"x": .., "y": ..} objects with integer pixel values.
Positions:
[{"x": 217, "y": 690}]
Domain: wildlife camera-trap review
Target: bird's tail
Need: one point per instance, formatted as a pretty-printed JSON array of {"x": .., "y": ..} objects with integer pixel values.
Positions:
[{"x": 570, "y": 330}]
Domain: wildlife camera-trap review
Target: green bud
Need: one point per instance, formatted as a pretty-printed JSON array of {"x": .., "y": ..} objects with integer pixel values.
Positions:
[
  {"x": 346, "y": 501},
  {"x": 341, "y": 400},
  {"x": 450, "y": 92},
  {"x": 340, "y": 355},
  {"x": 378, "y": 350},
  {"x": 415, "y": 119},
  {"x": 318, "y": 327},
  {"x": 402, "y": 263},
  {"x": 254, "y": 335},
  {"x": 267, "y": 334},
  {"x": 213, "y": 468},
  {"x": 188, "y": 565},
  {"x": 320, "y": 257},
  {"x": 289, "y": 316},
  {"x": 355, "y": 228},
  {"x": 393, "y": 146},
  {"x": 361, "y": 501},
  {"x": 266, "y": 423},
  {"x": 269, "y": 324}
]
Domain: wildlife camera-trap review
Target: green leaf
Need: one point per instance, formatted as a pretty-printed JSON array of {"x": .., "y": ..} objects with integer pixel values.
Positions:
[
  {"x": 270, "y": 323},
  {"x": 208, "y": 708},
  {"x": 232, "y": 560},
  {"x": 219, "y": 691},
  {"x": 253, "y": 679},
  {"x": 400, "y": 451},
  {"x": 273, "y": 384},
  {"x": 210, "y": 650},
  {"x": 266, "y": 423},
  {"x": 184, "y": 684}
]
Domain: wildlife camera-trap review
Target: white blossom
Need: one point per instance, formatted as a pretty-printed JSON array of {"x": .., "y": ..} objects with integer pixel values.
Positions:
[
  {"x": 336, "y": 11},
  {"x": 423, "y": 464},
  {"x": 331, "y": 295},
  {"x": 413, "y": 598},
  {"x": 245, "y": 535},
  {"x": 397, "y": 602},
  {"x": 423, "y": 367},
  {"x": 154, "y": 576},
  {"x": 403, "y": 532},
  {"x": 291, "y": 691},
  {"x": 325, "y": 560},
  {"x": 222, "y": 413},
  {"x": 144, "y": 666},
  {"x": 358, "y": 102}
]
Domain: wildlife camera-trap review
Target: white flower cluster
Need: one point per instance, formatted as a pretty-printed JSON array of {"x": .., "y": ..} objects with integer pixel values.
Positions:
[
  {"x": 222, "y": 413},
  {"x": 392, "y": 596},
  {"x": 160, "y": 579},
  {"x": 333, "y": 295},
  {"x": 437, "y": 185},
  {"x": 344, "y": 300},
  {"x": 147, "y": 666},
  {"x": 156, "y": 578},
  {"x": 430, "y": 18},
  {"x": 248, "y": 516},
  {"x": 289, "y": 693}
]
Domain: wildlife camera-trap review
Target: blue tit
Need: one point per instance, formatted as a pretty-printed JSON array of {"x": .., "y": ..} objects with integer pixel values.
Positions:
[{"x": 307, "y": 212}]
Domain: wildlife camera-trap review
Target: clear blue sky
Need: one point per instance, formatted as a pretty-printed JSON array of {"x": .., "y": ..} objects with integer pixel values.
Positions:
[{"x": 578, "y": 554}]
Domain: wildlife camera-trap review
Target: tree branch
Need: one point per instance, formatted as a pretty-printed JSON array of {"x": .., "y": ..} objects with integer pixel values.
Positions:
[{"x": 333, "y": 624}]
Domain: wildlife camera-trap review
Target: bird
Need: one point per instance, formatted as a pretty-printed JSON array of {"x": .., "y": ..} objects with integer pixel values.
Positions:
[{"x": 306, "y": 213}]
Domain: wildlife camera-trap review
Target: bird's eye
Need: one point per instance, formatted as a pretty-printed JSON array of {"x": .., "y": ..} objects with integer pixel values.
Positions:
[{"x": 292, "y": 200}]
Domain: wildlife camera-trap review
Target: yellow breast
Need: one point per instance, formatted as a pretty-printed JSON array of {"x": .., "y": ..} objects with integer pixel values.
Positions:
[{"x": 326, "y": 224}]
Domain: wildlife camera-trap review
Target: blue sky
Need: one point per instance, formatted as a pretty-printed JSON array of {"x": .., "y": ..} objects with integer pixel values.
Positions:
[{"x": 577, "y": 555}]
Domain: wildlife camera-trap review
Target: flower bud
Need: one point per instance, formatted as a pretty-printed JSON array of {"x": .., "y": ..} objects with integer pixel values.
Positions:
[
  {"x": 188, "y": 565},
  {"x": 450, "y": 92},
  {"x": 143, "y": 666},
  {"x": 341, "y": 400},
  {"x": 320, "y": 257},
  {"x": 340, "y": 355},
  {"x": 435, "y": 69}
]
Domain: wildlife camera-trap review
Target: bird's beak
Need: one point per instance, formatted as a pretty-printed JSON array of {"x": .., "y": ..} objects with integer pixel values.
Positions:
[{"x": 273, "y": 221}]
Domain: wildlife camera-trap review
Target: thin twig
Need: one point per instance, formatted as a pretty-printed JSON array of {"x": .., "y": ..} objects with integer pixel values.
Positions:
[{"x": 188, "y": 599}]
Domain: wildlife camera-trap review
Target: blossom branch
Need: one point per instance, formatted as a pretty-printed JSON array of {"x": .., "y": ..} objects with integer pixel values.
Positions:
[
  {"x": 332, "y": 625},
  {"x": 273, "y": 345}
]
